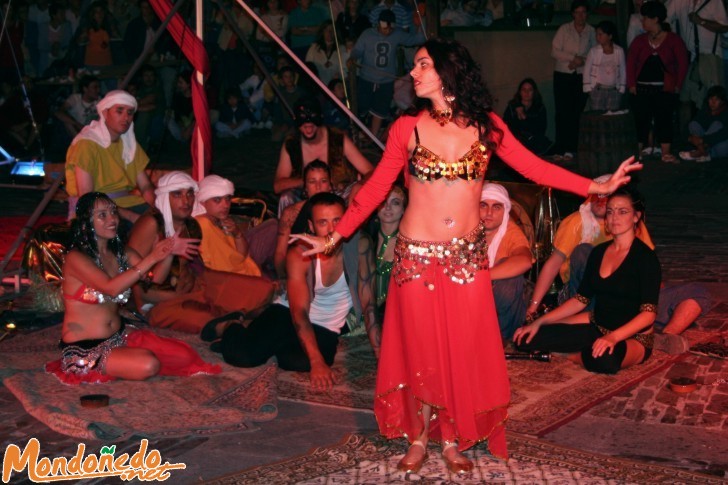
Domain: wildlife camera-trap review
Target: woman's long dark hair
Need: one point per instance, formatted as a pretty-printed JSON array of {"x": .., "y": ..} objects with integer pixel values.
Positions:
[
  {"x": 537, "y": 99},
  {"x": 320, "y": 40},
  {"x": 83, "y": 235},
  {"x": 461, "y": 78}
]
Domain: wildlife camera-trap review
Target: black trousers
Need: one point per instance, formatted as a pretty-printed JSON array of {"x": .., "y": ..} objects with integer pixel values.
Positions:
[
  {"x": 579, "y": 338},
  {"x": 654, "y": 106},
  {"x": 569, "y": 102},
  {"x": 272, "y": 334}
]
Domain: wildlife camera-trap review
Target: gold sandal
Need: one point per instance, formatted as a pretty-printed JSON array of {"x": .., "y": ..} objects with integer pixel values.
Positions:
[
  {"x": 413, "y": 466},
  {"x": 456, "y": 467}
]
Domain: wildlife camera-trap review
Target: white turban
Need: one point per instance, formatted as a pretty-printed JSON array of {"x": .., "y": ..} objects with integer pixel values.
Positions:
[
  {"x": 97, "y": 131},
  {"x": 590, "y": 229},
  {"x": 171, "y": 182},
  {"x": 499, "y": 193},
  {"x": 211, "y": 186}
]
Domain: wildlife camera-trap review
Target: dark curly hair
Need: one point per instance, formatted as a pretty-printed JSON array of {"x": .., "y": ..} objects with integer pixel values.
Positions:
[
  {"x": 460, "y": 76},
  {"x": 83, "y": 235},
  {"x": 635, "y": 197}
]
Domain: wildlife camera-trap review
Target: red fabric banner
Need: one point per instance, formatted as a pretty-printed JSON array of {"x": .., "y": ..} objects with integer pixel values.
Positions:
[{"x": 194, "y": 51}]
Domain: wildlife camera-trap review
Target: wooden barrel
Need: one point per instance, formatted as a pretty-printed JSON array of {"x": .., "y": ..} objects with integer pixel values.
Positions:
[{"x": 604, "y": 142}]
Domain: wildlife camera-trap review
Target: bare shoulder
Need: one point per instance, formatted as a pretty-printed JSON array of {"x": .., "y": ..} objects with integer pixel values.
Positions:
[
  {"x": 296, "y": 263},
  {"x": 143, "y": 233},
  {"x": 145, "y": 224}
]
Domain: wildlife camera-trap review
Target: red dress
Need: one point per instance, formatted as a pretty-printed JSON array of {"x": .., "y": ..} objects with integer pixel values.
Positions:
[{"x": 441, "y": 343}]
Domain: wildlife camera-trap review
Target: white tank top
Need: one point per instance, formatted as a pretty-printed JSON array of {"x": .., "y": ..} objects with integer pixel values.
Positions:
[{"x": 330, "y": 305}]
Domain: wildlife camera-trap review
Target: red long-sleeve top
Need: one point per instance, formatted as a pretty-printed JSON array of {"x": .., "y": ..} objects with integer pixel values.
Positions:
[
  {"x": 396, "y": 156},
  {"x": 673, "y": 54}
]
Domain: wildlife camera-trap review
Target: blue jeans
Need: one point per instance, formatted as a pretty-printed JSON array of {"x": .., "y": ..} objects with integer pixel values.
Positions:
[
  {"x": 510, "y": 304},
  {"x": 717, "y": 150}
]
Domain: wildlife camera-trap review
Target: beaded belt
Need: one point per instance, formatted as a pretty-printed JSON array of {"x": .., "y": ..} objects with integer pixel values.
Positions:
[
  {"x": 459, "y": 258},
  {"x": 83, "y": 357}
]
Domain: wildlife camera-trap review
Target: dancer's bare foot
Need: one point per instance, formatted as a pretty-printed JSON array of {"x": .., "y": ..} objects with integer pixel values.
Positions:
[{"x": 456, "y": 462}]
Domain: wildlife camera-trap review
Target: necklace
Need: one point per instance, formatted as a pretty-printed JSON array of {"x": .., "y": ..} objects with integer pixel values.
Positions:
[
  {"x": 441, "y": 116},
  {"x": 381, "y": 263}
]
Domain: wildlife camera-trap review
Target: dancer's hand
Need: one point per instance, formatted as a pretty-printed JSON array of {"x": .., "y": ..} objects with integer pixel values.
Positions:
[
  {"x": 322, "y": 377},
  {"x": 162, "y": 249},
  {"x": 186, "y": 247},
  {"x": 318, "y": 244},
  {"x": 620, "y": 177}
]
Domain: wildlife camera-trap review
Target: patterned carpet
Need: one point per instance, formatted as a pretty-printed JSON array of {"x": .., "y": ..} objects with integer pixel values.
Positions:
[
  {"x": 544, "y": 396},
  {"x": 373, "y": 460},
  {"x": 159, "y": 408}
]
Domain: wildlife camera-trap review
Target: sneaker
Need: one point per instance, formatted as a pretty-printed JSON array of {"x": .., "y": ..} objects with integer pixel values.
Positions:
[
  {"x": 646, "y": 152},
  {"x": 568, "y": 156},
  {"x": 268, "y": 125},
  {"x": 671, "y": 344},
  {"x": 694, "y": 156}
]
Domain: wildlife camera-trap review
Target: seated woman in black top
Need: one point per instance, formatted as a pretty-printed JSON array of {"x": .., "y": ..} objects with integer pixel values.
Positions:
[
  {"x": 525, "y": 116},
  {"x": 623, "y": 277}
]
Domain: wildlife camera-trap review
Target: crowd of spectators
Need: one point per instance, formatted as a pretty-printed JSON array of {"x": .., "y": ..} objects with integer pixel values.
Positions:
[{"x": 71, "y": 52}]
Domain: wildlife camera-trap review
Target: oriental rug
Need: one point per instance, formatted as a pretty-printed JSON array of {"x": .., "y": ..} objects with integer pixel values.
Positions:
[
  {"x": 373, "y": 459},
  {"x": 544, "y": 396},
  {"x": 162, "y": 407}
]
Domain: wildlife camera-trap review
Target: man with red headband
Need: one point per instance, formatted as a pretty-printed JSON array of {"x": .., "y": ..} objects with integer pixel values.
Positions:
[{"x": 316, "y": 141}]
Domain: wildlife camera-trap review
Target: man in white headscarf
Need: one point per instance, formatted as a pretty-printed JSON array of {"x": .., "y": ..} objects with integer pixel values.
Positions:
[
  {"x": 191, "y": 295},
  {"x": 224, "y": 245},
  {"x": 509, "y": 258},
  {"x": 104, "y": 157}
]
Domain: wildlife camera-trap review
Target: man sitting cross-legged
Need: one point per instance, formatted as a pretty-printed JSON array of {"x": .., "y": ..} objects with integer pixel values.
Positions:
[
  {"x": 191, "y": 295},
  {"x": 509, "y": 258},
  {"x": 323, "y": 291}
]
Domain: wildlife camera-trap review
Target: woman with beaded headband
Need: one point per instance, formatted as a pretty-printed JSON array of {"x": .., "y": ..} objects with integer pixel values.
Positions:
[
  {"x": 98, "y": 274},
  {"x": 442, "y": 373}
]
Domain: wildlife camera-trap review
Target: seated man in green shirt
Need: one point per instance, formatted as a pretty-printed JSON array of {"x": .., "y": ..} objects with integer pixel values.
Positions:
[{"x": 105, "y": 157}]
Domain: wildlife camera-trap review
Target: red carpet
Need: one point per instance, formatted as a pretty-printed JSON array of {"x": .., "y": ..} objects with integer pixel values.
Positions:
[{"x": 11, "y": 226}]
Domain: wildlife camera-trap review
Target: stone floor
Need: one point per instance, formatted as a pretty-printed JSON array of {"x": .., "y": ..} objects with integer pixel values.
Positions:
[{"x": 687, "y": 210}]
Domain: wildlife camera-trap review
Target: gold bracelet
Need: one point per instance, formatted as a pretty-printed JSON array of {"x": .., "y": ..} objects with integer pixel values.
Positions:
[{"x": 329, "y": 246}]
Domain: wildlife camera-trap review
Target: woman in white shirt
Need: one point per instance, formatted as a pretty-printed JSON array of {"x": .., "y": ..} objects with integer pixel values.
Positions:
[{"x": 605, "y": 70}]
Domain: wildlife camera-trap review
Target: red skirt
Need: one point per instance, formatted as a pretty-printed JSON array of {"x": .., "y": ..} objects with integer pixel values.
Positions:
[
  {"x": 176, "y": 358},
  {"x": 441, "y": 346}
]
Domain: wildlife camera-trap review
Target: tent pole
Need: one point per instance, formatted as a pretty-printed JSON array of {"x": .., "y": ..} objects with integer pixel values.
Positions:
[{"x": 200, "y": 29}]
